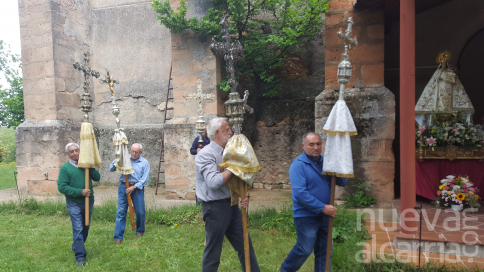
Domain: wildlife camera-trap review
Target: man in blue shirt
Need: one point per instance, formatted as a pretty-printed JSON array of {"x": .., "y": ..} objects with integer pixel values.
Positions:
[
  {"x": 311, "y": 192},
  {"x": 137, "y": 181}
]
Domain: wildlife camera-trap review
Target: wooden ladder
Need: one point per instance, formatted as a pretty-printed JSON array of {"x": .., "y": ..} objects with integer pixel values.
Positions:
[{"x": 162, "y": 151}]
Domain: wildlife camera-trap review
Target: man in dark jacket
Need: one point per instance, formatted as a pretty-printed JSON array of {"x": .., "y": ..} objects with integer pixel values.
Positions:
[
  {"x": 71, "y": 183},
  {"x": 311, "y": 193},
  {"x": 195, "y": 145}
]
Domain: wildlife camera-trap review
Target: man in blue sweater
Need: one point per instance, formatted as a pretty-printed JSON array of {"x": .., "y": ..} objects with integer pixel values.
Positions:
[{"x": 311, "y": 192}]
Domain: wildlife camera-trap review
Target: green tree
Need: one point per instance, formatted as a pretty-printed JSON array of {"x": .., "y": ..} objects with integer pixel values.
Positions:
[
  {"x": 12, "y": 98},
  {"x": 271, "y": 31},
  {"x": 7, "y": 144}
]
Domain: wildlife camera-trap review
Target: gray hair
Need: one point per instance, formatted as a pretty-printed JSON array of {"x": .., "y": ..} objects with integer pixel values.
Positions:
[
  {"x": 214, "y": 125},
  {"x": 69, "y": 144},
  {"x": 307, "y": 134},
  {"x": 140, "y": 147}
]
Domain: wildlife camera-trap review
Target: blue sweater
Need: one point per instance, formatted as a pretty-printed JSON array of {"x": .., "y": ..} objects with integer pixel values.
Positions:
[{"x": 311, "y": 190}]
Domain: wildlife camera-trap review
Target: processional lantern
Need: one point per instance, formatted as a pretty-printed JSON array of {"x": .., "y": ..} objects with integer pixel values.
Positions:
[{"x": 235, "y": 107}]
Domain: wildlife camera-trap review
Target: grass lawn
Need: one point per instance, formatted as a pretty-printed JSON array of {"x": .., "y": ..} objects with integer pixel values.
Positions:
[
  {"x": 7, "y": 179},
  {"x": 37, "y": 236},
  {"x": 42, "y": 243}
]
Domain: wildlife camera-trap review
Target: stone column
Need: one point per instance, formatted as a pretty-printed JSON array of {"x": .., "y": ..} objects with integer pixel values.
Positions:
[
  {"x": 191, "y": 60},
  {"x": 371, "y": 104},
  {"x": 50, "y": 42}
]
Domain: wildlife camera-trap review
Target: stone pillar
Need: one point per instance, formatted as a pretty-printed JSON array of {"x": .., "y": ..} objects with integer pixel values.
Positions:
[
  {"x": 191, "y": 60},
  {"x": 371, "y": 104},
  {"x": 49, "y": 43}
]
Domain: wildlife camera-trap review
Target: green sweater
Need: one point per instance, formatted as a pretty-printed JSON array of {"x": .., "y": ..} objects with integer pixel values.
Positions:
[{"x": 71, "y": 182}]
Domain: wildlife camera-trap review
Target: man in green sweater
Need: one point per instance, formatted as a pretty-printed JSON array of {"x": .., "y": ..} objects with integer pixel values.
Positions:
[{"x": 71, "y": 184}]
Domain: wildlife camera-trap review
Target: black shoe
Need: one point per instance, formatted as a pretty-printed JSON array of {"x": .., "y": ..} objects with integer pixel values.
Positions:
[{"x": 81, "y": 263}]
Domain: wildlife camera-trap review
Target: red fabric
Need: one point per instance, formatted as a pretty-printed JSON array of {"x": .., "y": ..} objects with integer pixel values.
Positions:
[{"x": 430, "y": 172}]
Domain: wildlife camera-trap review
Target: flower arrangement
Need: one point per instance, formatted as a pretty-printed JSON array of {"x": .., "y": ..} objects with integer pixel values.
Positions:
[
  {"x": 457, "y": 190},
  {"x": 447, "y": 130}
]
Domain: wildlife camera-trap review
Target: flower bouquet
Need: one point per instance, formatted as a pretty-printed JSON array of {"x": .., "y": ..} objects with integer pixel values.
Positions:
[
  {"x": 451, "y": 130},
  {"x": 457, "y": 192}
]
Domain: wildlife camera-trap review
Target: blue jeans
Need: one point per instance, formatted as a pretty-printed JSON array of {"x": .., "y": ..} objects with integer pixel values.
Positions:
[
  {"x": 138, "y": 199},
  {"x": 79, "y": 230},
  {"x": 312, "y": 233}
]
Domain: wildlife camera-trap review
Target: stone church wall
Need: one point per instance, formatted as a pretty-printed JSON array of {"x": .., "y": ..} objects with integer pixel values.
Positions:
[{"x": 124, "y": 36}]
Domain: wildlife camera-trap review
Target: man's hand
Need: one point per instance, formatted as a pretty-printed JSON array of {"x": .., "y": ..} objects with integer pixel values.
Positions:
[
  {"x": 244, "y": 203},
  {"x": 130, "y": 190},
  {"x": 330, "y": 210},
  {"x": 198, "y": 149},
  {"x": 86, "y": 192}
]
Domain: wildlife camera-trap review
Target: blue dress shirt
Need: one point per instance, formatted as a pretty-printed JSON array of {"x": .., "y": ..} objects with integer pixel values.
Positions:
[{"x": 141, "y": 174}]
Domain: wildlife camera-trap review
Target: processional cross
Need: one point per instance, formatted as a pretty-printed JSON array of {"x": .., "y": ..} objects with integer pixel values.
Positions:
[
  {"x": 110, "y": 81},
  {"x": 199, "y": 96},
  {"x": 235, "y": 106},
  {"x": 86, "y": 101},
  {"x": 200, "y": 123}
]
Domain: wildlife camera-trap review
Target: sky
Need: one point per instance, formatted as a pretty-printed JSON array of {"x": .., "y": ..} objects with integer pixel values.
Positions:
[{"x": 9, "y": 29}]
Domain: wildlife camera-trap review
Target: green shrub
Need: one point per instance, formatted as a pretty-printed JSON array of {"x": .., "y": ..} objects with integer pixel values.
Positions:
[{"x": 360, "y": 199}]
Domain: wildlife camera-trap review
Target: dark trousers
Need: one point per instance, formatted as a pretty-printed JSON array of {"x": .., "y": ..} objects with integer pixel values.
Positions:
[
  {"x": 312, "y": 233},
  {"x": 221, "y": 220},
  {"x": 80, "y": 231}
]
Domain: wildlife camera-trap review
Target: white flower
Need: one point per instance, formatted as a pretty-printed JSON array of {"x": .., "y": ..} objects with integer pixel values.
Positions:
[
  {"x": 450, "y": 177},
  {"x": 444, "y": 181},
  {"x": 465, "y": 180},
  {"x": 444, "y": 192},
  {"x": 456, "y": 188}
]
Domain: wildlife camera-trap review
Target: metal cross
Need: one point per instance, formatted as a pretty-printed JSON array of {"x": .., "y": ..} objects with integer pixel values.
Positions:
[
  {"x": 86, "y": 101},
  {"x": 199, "y": 96},
  {"x": 110, "y": 81},
  {"x": 349, "y": 41},
  {"x": 86, "y": 70},
  {"x": 228, "y": 50}
]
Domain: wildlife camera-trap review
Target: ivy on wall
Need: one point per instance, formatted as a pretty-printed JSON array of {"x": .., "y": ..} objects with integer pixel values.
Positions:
[{"x": 271, "y": 31}]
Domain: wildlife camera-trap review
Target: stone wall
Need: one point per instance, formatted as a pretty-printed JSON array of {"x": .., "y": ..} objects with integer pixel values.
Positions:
[{"x": 122, "y": 35}]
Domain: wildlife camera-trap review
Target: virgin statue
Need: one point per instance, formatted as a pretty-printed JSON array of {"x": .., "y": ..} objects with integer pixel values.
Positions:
[{"x": 443, "y": 94}]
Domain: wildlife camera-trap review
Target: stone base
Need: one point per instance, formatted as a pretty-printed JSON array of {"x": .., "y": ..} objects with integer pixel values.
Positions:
[
  {"x": 41, "y": 151},
  {"x": 179, "y": 163},
  {"x": 40, "y": 154},
  {"x": 373, "y": 111}
]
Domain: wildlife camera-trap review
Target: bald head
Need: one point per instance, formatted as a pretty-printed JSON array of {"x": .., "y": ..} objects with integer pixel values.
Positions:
[
  {"x": 136, "y": 150},
  {"x": 312, "y": 144}
]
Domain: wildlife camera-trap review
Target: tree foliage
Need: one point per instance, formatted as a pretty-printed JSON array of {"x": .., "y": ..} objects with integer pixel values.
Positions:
[
  {"x": 11, "y": 98},
  {"x": 271, "y": 31}
]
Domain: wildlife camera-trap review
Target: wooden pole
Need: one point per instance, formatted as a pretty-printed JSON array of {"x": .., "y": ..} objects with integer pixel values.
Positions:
[
  {"x": 86, "y": 205},
  {"x": 330, "y": 228},
  {"x": 243, "y": 194},
  {"x": 130, "y": 204}
]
